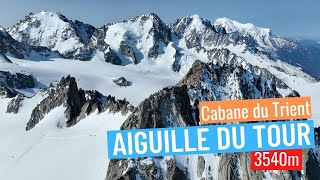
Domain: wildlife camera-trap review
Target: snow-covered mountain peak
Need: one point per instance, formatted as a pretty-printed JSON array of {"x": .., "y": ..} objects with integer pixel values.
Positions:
[
  {"x": 144, "y": 17},
  {"x": 131, "y": 41},
  {"x": 198, "y": 22},
  {"x": 232, "y": 26},
  {"x": 46, "y": 14},
  {"x": 253, "y": 36},
  {"x": 195, "y": 19},
  {"x": 52, "y": 30},
  {"x": 188, "y": 24},
  {"x": 13, "y": 48}
]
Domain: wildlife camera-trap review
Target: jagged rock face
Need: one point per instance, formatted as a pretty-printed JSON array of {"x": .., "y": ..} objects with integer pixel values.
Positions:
[
  {"x": 97, "y": 43},
  {"x": 96, "y": 101},
  {"x": 161, "y": 34},
  {"x": 10, "y": 81},
  {"x": 54, "y": 31},
  {"x": 77, "y": 102},
  {"x": 14, "y": 104},
  {"x": 158, "y": 34},
  {"x": 10, "y": 46},
  {"x": 66, "y": 94},
  {"x": 167, "y": 108},
  {"x": 83, "y": 31},
  {"x": 115, "y": 106}
]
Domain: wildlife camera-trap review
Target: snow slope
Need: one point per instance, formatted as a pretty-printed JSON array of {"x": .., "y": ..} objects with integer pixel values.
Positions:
[{"x": 54, "y": 153}]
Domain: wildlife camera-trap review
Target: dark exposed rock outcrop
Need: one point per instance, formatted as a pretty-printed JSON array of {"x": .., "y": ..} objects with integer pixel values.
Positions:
[
  {"x": 112, "y": 57},
  {"x": 121, "y": 81},
  {"x": 17, "y": 80},
  {"x": 66, "y": 94},
  {"x": 128, "y": 51},
  {"x": 14, "y": 104}
]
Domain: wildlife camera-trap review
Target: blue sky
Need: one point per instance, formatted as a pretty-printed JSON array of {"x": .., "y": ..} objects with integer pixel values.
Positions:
[{"x": 288, "y": 18}]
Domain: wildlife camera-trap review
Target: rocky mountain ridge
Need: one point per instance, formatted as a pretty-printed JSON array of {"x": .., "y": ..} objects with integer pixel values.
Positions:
[
  {"x": 147, "y": 36},
  {"x": 78, "y": 103}
]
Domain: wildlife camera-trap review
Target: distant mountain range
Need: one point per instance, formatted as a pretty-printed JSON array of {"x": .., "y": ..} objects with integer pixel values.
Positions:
[{"x": 147, "y": 36}]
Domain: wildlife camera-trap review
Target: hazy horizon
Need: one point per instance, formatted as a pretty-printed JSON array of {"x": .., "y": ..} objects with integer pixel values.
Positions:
[{"x": 290, "y": 19}]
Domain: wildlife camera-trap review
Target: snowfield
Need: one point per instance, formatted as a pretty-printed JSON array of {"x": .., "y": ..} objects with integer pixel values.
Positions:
[
  {"x": 58, "y": 153},
  {"x": 79, "y": 152},
  {"x": 98, "y": 75}
]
